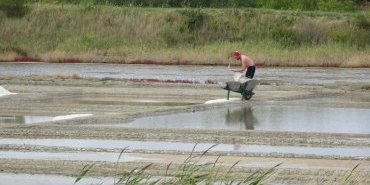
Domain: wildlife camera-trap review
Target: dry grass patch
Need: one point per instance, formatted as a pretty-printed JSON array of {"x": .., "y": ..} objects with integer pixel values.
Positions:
[{"x": 8, "y": 56}]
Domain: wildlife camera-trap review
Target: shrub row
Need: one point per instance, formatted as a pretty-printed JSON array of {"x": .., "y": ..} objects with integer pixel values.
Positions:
[
  {"x": 325, "y": 5},
  {"x": 13, "y": 8},
  {"x": 81, "y": 28},
  {"x": 200, "y": 27}
]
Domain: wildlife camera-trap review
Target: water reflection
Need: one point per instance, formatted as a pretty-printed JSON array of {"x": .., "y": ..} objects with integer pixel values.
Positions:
[
  {"x": 242, "y": 118},
  {"x": 230, "y": 118},
  {"x": 265, "y": 117}
]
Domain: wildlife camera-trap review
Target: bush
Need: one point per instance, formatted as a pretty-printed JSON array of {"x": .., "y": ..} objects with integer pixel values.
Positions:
[
  {"x": 340, "y": 35},
  {"x": 13, "y": 8},
  {"x": 363, "y": 22},
  {"x": 312, "y": 32},
  {"x": 279, "y": 4},
  {"x": 310, "y": 4},
  {"x": 361, "y": 38},
  {"x": 360, "y": 2},
  {"x": 333, "y": 5},
  {"x": 194, "y": 19},
  {"x": 15, "y": 49},
  {"x": 284, "y": 36}
]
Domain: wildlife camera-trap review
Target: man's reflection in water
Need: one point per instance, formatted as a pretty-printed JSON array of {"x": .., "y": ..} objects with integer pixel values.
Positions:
[{"x": 242, "y": 118}]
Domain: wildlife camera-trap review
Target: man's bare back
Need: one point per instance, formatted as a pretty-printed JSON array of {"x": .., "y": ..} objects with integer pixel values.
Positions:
[{"x": 247, "y": 64}]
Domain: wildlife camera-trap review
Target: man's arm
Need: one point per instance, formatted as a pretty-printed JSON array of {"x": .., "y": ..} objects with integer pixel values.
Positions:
[
  {"x": 239, "y": 70},
  {"x": 244, "y": 66}
]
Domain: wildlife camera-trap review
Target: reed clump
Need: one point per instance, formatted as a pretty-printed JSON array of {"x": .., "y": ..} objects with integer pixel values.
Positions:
[{"x": 192, "y": 171}]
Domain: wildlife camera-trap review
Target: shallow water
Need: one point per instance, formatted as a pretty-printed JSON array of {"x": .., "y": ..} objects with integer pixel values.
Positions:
[
  {"x": 191, "y": 73},
  {"x": 265, "y": 117},
  {"x": 24, "y": 119},
  {"x": 162, "y": 146},
  {"x": 38, "y": 179},
  {"x": 13, "y": 119},
  {"x": 71, "y": 156}
]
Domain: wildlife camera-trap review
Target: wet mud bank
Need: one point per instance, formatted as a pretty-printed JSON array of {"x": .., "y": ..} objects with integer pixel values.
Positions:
[
  {"x": 308, "y": 156},
  {"x": 285, "y": 175},
  {"x": 187, "y": 135}
]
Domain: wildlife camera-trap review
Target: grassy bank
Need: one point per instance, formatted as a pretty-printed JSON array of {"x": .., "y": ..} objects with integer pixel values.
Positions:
[
  {"x": 322, "y": 5},
  {"x": 86, "y": 33}
]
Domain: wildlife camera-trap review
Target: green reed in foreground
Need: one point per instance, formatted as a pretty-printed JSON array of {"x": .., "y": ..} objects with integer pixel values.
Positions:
[{"x": 192, "y": 171}]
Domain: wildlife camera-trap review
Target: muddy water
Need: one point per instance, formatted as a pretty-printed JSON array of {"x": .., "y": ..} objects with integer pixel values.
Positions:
[
  {"x": 192, "y": 73},
  {"x": 265, "y": 117},
  {"x": 161, "y": 146}
]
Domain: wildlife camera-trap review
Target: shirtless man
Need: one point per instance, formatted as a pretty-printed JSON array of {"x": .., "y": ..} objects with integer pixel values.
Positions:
[{"x": 247, "y": 64}]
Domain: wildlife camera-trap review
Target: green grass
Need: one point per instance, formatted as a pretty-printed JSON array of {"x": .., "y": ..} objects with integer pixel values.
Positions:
[
  {"x": 325, "y": 5},
  {"x": 89, "y": 33},
  {"x": 192, "y": 171}
]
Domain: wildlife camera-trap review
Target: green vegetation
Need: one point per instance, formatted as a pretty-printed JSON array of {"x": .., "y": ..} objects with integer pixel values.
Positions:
[
  {"x": 13, "y": 8},
  {"x": 192, "y": 171},
  {"x": 324, "y": 5},
  {"x": 90, "y": 33},
  {"x": 196, "y": 170}
]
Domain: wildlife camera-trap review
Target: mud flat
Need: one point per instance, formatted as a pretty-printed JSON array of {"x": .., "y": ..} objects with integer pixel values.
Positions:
[{"x": 63, "y": 146}]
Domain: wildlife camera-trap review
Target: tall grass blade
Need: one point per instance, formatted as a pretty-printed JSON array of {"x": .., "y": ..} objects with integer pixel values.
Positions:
[
  {"x": 191, "y": 153},
  {"x": 146, "y": 167},
  {"x": 250, "y": 177},
  {"x": 218, "y": 158},
  {"x": 168, "y": 167},
  {"x": 232, "y": 167},
  {"x": 206, "y": 151},
  {"x": 259, "y": 179},
  {"x": 155, "y": 182},
  {"x": 348, "y": 177},
  {"x": 118, "y": 159},
  {"x": 83, "y": 172}
]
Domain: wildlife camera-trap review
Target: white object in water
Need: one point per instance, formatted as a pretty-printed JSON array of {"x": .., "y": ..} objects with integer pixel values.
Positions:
[
  {"x": 237, "y": 76},
  {"x": 240, "y": 77},
  {"x": 71, "y": 116},
  {"x": 4, "y": 92},
  {"x": 221, "y": 100}
]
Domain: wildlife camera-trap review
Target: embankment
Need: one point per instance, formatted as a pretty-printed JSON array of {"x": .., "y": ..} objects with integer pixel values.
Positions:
[{"x": 108, "y": 34}]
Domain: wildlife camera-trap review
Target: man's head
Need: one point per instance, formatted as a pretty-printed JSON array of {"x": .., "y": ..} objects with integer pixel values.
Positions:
[{"x": 236, "y": 55}]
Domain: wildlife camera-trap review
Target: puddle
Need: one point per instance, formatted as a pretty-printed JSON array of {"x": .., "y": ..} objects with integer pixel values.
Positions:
[
  {"x": 40, "y": 179},
  {"x": 71, "y": 156},
  {"x": 38, "y": 119},
  {"x": 176, "y": 146},
  {"x": 265, "y": 117}
]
